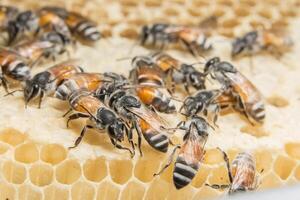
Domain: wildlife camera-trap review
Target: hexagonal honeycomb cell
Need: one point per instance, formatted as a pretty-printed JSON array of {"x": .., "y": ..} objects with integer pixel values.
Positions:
[
  {"x": 27, "y": 153},
  {"x": 41, "y": 174},
  {"x": 35, "y": 160},
  {"x": 53, "y": 153},
  {"x": 95, "y": 170},
  {"x": 68, "y": 172}
]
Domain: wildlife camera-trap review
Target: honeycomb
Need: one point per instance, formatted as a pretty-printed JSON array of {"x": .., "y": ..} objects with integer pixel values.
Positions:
[{"x": 35, "y": 162}]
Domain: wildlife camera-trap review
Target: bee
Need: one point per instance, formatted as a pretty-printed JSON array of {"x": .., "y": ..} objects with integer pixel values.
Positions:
[
  {"x": 25, "y": 24},
  {"x": 257, "y": 41},
  {"x": 191, "y": 151},
  {"x": 49, "y": 21},
  {"x": 7, "y": 13},
  {"x": 13, "y": 66},
  {"x": 47, "y": 81},
  {"x": 103, "y": 119},
  {"x": 242, "y": 174},
  {"x": 247, "y": 97},
  {"x": 203, "y": 102},
  {"x": 151, "y": 88},
  {"x": 89, "y": 81},
  {"x": 193, "y": 39},
  {"x": 130, "y": 109},
  {"x": 179, "y": 72}
]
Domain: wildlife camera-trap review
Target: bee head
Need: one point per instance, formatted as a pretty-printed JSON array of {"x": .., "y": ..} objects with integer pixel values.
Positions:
[
  {"x": 211, "y": 63},
  {"x": 116, "y": 130}
]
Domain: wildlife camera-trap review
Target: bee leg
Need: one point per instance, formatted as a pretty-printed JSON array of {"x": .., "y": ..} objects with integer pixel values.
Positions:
[
  {"x": 189, "y": 47},
  {"x": 70, "y": 110},
  {"x": 121, "y": 147},
  {"x": 139, "y": 133},
  {"x": 76, "y": 116},
  {"x": 129, "y": 136},
  {"x": 41, "y": 98},
  {"x": 186, "y": 87},
  {"x": 4, "y": 84},
  {"x": 226, "y": 159},
  {"x": 217, "y": 187},
  {"x": 170, "y": 160},
  {"x": 78, "y": 140}
]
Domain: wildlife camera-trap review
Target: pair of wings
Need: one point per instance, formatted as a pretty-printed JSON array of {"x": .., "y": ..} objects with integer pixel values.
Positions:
[{"x": 151, "y": 117}]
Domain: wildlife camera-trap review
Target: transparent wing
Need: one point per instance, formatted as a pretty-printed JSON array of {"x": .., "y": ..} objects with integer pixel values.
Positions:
[{"x": 152, "y": 118}]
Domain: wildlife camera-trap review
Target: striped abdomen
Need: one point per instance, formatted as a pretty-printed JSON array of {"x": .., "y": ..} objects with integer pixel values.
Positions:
[
  {"x": 184, "y": 172},
  {"x": 88, "y": 81},
  {"x": 188, "y": 160},
  {"x": 13, "y": 66},
  {"x": 150, "y": 78},
  {"x": 82, "y": 27},
  {"x": 156, "y": 98},
  {"x": 155, "y": 139}
]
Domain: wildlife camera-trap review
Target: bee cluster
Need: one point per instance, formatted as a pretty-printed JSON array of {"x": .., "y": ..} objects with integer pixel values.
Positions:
[{"x": 123, "y": 106}]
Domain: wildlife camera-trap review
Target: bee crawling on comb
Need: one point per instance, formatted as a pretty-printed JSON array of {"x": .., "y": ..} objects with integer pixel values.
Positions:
[{"x": 242, "y": 174}]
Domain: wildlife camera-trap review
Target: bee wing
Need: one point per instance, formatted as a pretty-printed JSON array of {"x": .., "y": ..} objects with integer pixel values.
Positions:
[
  {"x": 153, "y": 119},
  {"x": 193, "y": 148}
]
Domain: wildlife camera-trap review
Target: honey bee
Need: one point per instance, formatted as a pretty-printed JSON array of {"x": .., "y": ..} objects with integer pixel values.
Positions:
[
  {"x": 193, "y": 39},
  {"x": 247, "y": 97},
  {"x": 151, "y": 88},
  {"x": 90, "y": 81},
  {"x": 12, "y": 66},
  {"x": 25, "y": 24},
  {"x": 7, "y": 13},
  {"x": 46, "y": 82},
  {"x": 130, "y": 109},
  {"x": 179, "y": 72},
  {"x": 257, "y": 41},
  {"x": 191, "y": 151},
  {"x": 103, "y": 119},
  {"x": 242, "y": 174}
]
